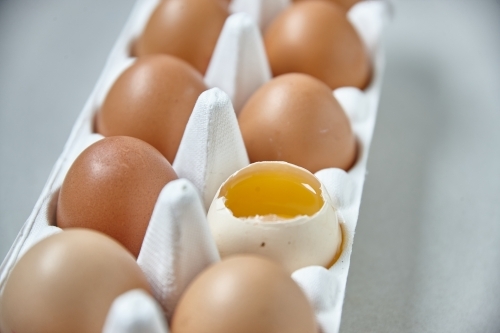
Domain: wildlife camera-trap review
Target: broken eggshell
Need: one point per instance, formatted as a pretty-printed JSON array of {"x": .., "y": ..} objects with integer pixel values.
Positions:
[{"x": 294, "y": 241}]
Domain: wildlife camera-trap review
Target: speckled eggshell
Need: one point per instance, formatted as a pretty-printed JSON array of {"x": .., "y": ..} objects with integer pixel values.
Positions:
[
  {"x": 244, "y": 294},
  {"x": 67, "y": 283},
  {"x": 187, "y": 29},
  {"x": 346, "y": 4},
  {"x": 295, "y": 118},
  {"x": 152, "y": 100},
  {"x": 112, "y": 187},
  {"x": 315, "y": 37}
]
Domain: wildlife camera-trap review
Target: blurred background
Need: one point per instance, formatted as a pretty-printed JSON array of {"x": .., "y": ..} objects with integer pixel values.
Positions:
[{"x": 427, "y": 249}]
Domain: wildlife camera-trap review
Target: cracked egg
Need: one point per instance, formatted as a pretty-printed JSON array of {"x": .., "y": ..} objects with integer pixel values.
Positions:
[{"x": 278, "y": 210}]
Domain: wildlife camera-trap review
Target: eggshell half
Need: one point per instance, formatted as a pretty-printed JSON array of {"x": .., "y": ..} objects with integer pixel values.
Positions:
[{"x": 295, "y": 243}]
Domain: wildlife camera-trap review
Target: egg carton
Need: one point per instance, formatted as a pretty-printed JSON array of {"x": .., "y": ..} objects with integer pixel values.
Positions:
[{"x": 178, "y": 244}]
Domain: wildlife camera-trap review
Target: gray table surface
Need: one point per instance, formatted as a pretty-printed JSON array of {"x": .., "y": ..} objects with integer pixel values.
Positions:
[{"x": 427, "y": 249}]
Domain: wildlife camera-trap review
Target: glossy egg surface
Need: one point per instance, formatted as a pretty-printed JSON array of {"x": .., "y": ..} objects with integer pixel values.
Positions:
[
  {"x": 295, "y": 118},
  {"x": 187, "y": 29},
  {"x": 67, "y": 283},
  {"x": 244, "y": 294},
  {"x": 112, "y": 187},
  {"x": 316, "y": 38},
  {"x": 152, "y": 100}
]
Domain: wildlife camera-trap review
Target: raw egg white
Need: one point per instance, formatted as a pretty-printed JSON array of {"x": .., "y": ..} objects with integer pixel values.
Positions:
[{"x": 278, "y": 210}]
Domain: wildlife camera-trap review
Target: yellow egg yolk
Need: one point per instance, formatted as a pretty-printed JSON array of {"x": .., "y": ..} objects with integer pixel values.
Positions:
[{"x": 273, "y": 194}]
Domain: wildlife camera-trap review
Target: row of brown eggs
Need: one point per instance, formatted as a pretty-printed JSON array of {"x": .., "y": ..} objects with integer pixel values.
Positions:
[
  {"x": 69, "y": 281},
  {"x": 311, "y": 37},
  {"x": 64, "y": 266},
  {"x": 292, "y": 118}
]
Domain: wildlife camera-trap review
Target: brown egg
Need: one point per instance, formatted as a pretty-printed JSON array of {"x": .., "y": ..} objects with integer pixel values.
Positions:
[
  {"x": 244, "y": 294},
  {"x": 152, "y": 100},
  {"x": 67, "y": 283},
  {"x": 295, "y": 118},
  {"x": 187, "y": 29},
  {"x": 315, "y": 37},
  {"x": 112, "y": 187},
  {"x": 225, "y": 3},
  {"x": 346, "y": 4}
]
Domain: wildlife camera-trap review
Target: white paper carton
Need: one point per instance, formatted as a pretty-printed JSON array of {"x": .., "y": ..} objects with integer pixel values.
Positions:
[{"x": 178, "y": 244}]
